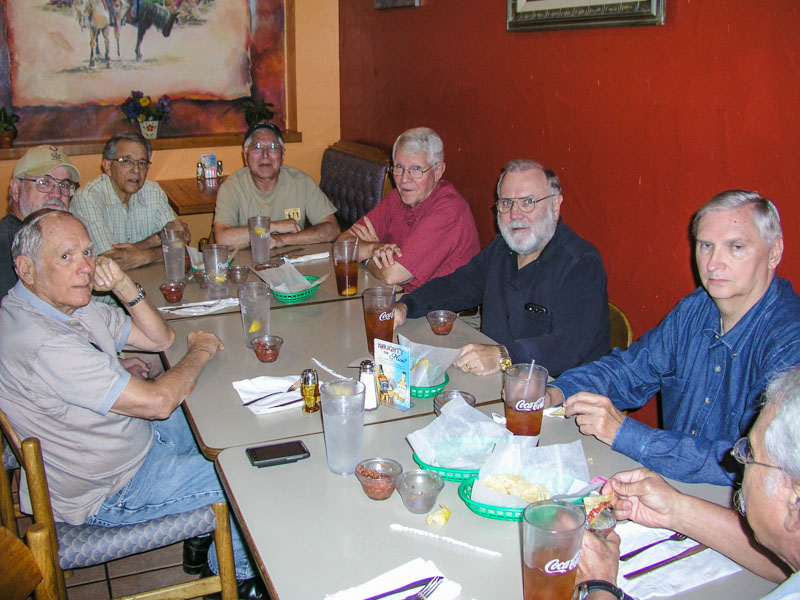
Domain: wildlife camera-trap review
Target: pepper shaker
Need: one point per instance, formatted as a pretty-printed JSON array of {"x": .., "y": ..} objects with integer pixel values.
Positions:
[{"x": 309, "y": 389}]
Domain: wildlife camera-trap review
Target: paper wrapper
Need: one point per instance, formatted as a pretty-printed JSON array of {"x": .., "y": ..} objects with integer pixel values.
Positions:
[
  {"x": 428, "y": 363},
  {"x": 196, "y": 257},
  {"x": 561, "y": 468},
  {"x": 287, "y": 279},
  {"x": 460, "y": 438}
]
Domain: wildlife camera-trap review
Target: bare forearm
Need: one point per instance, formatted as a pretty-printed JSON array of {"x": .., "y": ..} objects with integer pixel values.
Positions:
[
  {"x": 149, "y": 330},
  {"x": 233, "y": 237},
  {"x": 151, "y": 242},
  {"x": 322, "y": 232},
  {"x": 393, "y": 275}
]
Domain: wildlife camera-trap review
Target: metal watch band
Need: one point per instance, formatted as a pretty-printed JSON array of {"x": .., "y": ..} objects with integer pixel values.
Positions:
[
  {"x": 139, "y": 297},
  {"x": 582, "y": 590},
  {"x": 505, "y": 358}
]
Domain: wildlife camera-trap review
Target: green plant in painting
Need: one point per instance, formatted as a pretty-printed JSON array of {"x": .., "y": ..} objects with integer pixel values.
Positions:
[
  {"x": 7, "y": 119},
  {"x": 256, "y": 111}
]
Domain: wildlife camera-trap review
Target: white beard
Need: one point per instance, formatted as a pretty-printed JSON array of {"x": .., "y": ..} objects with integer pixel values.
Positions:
[{"x": 540, "y": 232}]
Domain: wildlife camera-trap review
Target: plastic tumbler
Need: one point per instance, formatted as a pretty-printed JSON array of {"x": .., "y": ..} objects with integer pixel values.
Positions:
[
  {"x": 523, "y": 396},
  {"x": 343, "y": 423},
  {"x": 552, "y": 532},
  {"x": 378, "y": 315},
  {"x": 173, "y": 246},
  {"x": 254, "y": 304},
  {"x": 215, "y": 257},
  {"x": 217, "y": 281},
  {"x": 259, "y": 239},
  {"x": 345, "y": 266}
]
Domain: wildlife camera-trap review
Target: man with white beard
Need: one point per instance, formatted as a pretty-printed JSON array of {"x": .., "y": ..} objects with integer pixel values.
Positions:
[{"x": 542, "y": 287}]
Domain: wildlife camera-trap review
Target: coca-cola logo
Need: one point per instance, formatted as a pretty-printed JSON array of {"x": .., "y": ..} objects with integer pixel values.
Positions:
[
  {"x": 386, "y": 316},
  {"x": 222, "y": 265},
  {"x": 558, "y": 567},
  {"x": 264, "y": 235},
  {"x": 523, "y": 406}
]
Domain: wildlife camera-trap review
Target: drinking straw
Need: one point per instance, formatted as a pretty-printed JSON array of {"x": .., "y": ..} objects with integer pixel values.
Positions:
[
  {"x": 528, "y": 381},
  {"x": 444, "y": 538}
]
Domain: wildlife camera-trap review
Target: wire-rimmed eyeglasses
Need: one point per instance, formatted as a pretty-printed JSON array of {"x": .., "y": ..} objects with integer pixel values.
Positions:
[
  {"x": 129, "y": 162},
  {"x": 743, "y": 452},
  {"x": 47, "y": 184},
  {"x": 414, "y": 172},
  {"x": 264, "y": 147},
  {"x": 526, "y": 204}
]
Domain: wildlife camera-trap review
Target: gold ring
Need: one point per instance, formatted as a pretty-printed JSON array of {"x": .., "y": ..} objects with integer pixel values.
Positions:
[{"x": 467, "y": 367}]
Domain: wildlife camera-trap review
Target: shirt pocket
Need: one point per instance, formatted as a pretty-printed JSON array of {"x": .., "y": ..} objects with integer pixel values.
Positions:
[{"x": 535, "y": 322}]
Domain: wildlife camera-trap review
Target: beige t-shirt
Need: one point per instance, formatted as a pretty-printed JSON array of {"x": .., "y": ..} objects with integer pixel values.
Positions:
[{"x": 295, "y": 196}]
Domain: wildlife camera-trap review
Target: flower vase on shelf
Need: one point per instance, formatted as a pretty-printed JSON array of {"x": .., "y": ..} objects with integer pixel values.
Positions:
[{"x": 149, "y": 129}]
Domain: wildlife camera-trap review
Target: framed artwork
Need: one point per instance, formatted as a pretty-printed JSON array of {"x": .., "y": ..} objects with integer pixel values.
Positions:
[
  {"x": 532, "y": 15},
  {"x": 66, "y": 66},
  {"x": 380, "y": 4}
]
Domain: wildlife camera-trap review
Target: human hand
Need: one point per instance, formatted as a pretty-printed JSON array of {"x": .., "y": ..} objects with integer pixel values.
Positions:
[
  {"x": 136, "y": 366},
  {"x": 108, "y": 276},
  {"x": 644, "y": 497},
  {"x": 127, "y": 256},
  {"x": 365, "y": 232},
  {"x": 383, "y": 255},
  {"x": 594, "y": 415},
  {"x": 400, "y": 313},
  {"x": 599, "y": 557},
  {"x": 478, "y": 359},
  {"x": 206, "y": 342},
  {"x": 181, "y": 226}
]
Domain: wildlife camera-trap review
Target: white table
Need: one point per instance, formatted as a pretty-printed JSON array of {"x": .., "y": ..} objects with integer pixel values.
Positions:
[
  {"x": 333, "y": 333},
  {"x": 313, "y": 533}
]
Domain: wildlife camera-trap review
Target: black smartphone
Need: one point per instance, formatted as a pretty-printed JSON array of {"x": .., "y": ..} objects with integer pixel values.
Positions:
[{"x": 277, "y": 454}]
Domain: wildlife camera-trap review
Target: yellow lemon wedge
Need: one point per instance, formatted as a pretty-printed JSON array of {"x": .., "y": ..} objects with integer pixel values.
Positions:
[
  {"x": 220, "y": 278},
  {"x": 254, "y": 326},
  {"x": 260, "y": 230},
  {"x": 439, "y": 517}
]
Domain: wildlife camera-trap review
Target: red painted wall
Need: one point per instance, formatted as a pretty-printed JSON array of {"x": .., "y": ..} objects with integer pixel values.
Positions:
[{"x": 642, "y": 124}]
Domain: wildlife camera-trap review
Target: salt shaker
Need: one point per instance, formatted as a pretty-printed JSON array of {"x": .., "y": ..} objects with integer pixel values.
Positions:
[
  {"x": 309, "y": 389},
  {"x": 366, "y": 375},
  {"x": 219, "y": 168},
  {"x": 200, "y": 171}
]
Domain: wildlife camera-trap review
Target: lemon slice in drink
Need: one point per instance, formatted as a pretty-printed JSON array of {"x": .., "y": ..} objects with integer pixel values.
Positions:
[
  {"x": 254, "y": 326},
  {"x": 220, "y": 278},
  {"x": 439, "y": 517},
  {"x": 260, "y": 230}
]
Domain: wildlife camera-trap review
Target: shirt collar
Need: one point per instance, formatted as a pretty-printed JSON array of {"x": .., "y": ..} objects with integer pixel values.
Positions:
[{"x": 27, "y": 296}]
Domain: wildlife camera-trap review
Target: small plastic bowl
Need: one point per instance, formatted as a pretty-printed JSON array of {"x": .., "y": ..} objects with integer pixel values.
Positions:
[
  {"x": 267, "y": 347},
  {"x": 441, "y": 399},
  {"x": 377, "y": 476},
  {"x": 173, "y": 291},
  {"x": 441, "y": 321},
  {"x": 604, "y": 523},
  {"x": 419, "y": 490},
  {"x": 238, "y": 274}
]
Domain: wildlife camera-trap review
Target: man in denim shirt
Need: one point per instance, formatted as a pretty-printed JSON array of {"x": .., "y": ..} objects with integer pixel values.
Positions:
[{"x": 711, "y": 356}]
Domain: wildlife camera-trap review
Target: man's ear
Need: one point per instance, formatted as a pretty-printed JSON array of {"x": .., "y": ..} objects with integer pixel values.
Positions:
[
  {"x": 792, "y": 521},
  {"x": 106, "y": 164},
  {"x": 439, "y": 170},
  {"x": 775, "y": 254},
  {"x": 26, "y": 269},
  {"x": 13, "y": 189}
]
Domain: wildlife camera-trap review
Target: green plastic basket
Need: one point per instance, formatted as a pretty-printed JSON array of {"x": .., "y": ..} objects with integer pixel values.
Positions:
[
  {"x": 296, "y": 297},
  {"x": 448, "y": 474},
  {"x": 489, "y": 511},
  {"x": 430, "y": 392}
]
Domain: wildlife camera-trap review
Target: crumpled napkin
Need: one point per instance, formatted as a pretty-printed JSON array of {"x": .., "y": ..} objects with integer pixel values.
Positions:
[
  {"x": 287, "y": 279},
  {"x": 428, "y": 363},
  {"x": 250, "y": 389},
  {"x": 194, "y": 309},
  {"x": 669, "y": 580},
  {"x": 306, "y": 257},
  {"x": 411, "y": 571}
]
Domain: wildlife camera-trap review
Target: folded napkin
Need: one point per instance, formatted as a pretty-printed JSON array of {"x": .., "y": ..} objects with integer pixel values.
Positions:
[
  {"x": 672, "y": 579},
  {"x": 306, "y": 257},
  {"x": 250, "y": 389},
  {"x": 206, "y": 307},
  {"x": 411, "y": 571}
]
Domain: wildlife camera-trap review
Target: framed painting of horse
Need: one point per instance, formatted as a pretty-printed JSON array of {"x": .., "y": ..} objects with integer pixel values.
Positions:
[{"x": 66, "y": 66}]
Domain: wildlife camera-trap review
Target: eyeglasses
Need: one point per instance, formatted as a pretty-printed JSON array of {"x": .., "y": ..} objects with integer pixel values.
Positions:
[
  {"x": 526, "y": 205},
  {"x": 47, "y": 184},
  {"x": 413, "y": 172},
  {"x": 259, "y": 147},
  {"x": 743, "y": 452},
  {"x": 129, "y": 163}
]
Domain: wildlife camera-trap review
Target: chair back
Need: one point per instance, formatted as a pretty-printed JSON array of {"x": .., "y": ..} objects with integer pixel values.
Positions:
[
  {"x": 27, "y": 569},
  {"x": 621, "y": 332},
  {"x": 354, "y": 177}
]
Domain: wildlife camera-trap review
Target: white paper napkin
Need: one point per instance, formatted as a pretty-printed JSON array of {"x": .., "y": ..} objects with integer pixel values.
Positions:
[
  {"x": 306, "y": 257},
  {"x": 250, "y": 389},
  {"x": 669, "y": 580},
  {"x": 194, "y": 309},
  {"x": 411, "y": 571}
]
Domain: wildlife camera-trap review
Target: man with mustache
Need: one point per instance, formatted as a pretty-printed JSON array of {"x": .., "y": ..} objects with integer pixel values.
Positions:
[{"x": 542, "y": 287}]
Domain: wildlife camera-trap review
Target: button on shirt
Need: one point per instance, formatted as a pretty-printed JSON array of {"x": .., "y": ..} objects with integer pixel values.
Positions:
[{"x": 710, "y": 383}]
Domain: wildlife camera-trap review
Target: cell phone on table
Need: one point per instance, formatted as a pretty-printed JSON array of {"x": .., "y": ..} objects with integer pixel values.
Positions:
[{"x": 277, "y": 454}]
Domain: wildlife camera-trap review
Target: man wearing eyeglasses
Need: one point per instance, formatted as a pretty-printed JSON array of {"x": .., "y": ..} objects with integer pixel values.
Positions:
[
  {"x": 299, "y": 211},
  {"x": 121, "y": 209},
  {"x": 710, "y": 358},
  {"x": 423, "y": 228},
  {"x": 43, "y": 178},
  {"x": 768, "y": 543},
  {"x": 542, "y": 287}
]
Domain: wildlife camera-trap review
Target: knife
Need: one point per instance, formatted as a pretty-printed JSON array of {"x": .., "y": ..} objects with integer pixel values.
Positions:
[
  {"x": 295, "y": 251},
  {"x": 643, "y": 571},
  {"x": 405, "y": 588}
]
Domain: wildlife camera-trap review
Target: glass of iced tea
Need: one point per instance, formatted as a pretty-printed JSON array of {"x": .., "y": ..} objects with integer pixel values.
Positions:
[
  {"x": 523, "y": 396},
  {"x": 552, "y": 532},
  {"x": 378, "y": 314},
  {"x": 345, "y": 266}
]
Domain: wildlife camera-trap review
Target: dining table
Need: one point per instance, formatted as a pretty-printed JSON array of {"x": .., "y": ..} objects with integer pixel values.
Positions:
[
  {"x": 191, "y": 196},
  {"x": 313, "y": 533}
]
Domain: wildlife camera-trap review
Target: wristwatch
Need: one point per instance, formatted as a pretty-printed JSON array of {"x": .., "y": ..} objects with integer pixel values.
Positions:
[
  {"x": 139, "y": 297},
  {"x": 582, "y": 590},
  {"x": 505, "y": 359}
]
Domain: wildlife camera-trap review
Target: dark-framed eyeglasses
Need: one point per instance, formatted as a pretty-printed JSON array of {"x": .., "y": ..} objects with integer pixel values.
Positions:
[
  {"x": 414, "y": 172},
  {"x": 129, "y": 163},
  {"x": 526, "y": 204},
  {"x": 47, "y": 184},
  {"x": 743, "y": 452},
  {"x": 265, "y": 147}
]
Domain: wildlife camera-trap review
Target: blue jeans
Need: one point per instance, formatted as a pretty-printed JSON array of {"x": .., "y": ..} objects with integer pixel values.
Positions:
[{"x": 175, "y": 477}]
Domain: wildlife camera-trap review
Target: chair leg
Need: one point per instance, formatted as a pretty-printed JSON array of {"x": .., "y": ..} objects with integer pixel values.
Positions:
[
  {"x": 38, "y": 537},
  {"x": 222, "y": 539}
]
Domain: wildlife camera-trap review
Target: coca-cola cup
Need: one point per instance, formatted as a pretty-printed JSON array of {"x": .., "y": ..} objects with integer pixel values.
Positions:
[
  {"x": 552, "y": 532},
  {"x": 523, "y": 395},
  {"x": 378, "y": 315}
]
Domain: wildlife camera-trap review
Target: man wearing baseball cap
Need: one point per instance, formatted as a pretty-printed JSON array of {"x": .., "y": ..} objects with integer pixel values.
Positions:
[
  {"x": 299, "y": 211},
  {"x": 43, "y": 178}
]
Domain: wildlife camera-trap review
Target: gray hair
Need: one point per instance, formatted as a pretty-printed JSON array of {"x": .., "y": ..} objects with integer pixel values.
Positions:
[
  {"x": 110, "y": 149},
  {"x": 765, "y": 214},
  {"x": 780, "y": 439},
  {"x": 526, "y": 164},
  {"x": 29, "y": 238},
  {"x": 420, "y": 139}
]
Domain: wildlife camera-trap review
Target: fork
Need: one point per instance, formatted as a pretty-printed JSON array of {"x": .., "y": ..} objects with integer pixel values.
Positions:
[
  {"x": 675, "y": 537},
  {"x": 426, "y": 592},
  {"x": 292, "y": 388}
]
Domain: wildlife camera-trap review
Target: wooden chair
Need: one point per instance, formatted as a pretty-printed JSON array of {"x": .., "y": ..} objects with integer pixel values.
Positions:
[
  {"x": 27, "y": 569},
  {"x": 354, "y": 177},
  {"x": 621, "y": 332},
  {"x": 77, "y": 546}
]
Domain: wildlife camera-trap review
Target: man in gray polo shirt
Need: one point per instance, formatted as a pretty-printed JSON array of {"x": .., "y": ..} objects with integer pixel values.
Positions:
[{"x": 115, "y": 449}]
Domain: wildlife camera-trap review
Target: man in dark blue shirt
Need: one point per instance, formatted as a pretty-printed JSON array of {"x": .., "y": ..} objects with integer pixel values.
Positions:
[
  {"x": 710, "y": 358},
  {"x": 542, "y": 287}
]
